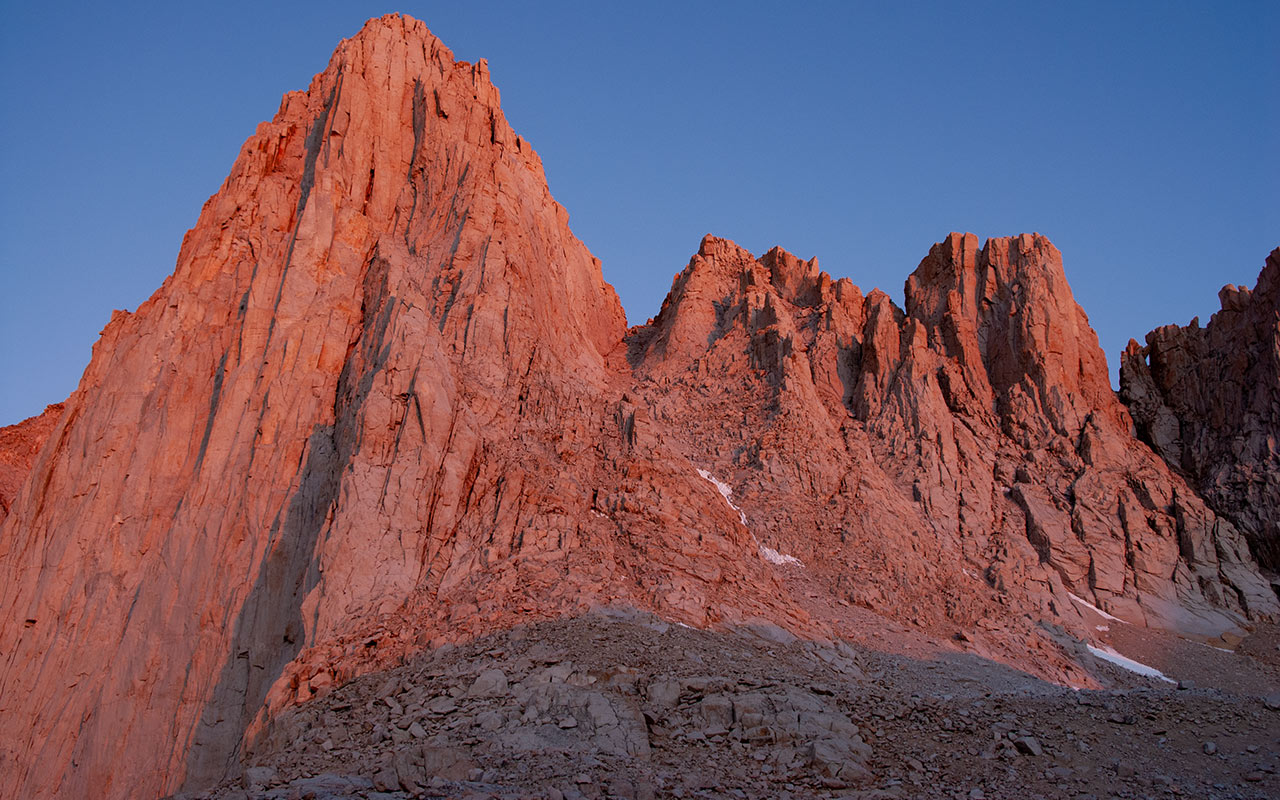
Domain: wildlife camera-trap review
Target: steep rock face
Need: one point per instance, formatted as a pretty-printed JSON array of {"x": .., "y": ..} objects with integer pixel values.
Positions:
[
  {"x": 19, "y": 446},
  {"x": 369, "y": 409},
  {"x": 1208, "y": 401},
  {"x": 968, "y": 448}
]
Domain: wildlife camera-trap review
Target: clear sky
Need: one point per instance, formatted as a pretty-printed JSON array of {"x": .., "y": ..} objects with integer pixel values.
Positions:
[{"x": 1141, "y": 137}]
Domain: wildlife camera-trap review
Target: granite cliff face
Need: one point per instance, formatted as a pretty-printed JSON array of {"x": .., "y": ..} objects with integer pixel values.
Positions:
[
  {"x": 1208, "y": 401},
  {"x": 370, "y": 408},
  {"x": 386, "y": 400},
  {"x": 970, "y": 444},
  {"x": 19, "y": 446}
]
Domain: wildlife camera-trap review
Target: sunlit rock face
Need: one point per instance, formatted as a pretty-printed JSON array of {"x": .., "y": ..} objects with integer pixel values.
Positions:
[
  {"x": 374, "y": 402},
  {"x": 964, "y": 448},
  {"x": 20, "y": 444},
  {"x": 386, "y": 400},
  {"x": 1208, "y": 401}
]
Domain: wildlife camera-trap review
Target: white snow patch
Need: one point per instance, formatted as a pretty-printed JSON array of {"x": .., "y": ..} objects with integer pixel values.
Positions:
[
  {"x": 1103, "y": 628},
  {"x": 1107, "y": 654},
  {"x": 774, "y": 557},
  {"x": 725, "y": 492},
  {"x": 1087, "y": 604},
  {"x": 767, "y": 553}
]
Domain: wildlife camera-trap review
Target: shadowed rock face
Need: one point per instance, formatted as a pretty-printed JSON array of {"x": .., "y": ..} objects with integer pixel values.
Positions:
[
  {"x": 1208, "y": 401},
  {"x": 387, "y": 400}
]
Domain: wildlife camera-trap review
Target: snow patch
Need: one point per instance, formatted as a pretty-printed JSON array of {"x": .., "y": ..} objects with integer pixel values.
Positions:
[
  {"x": 767, "y": 553},
  {"x": 774, "y": 557},
  {"x": 725, "y": 492},
  {"x": 1107, "y": 654},
  {"x": 1099, "y": 611}
]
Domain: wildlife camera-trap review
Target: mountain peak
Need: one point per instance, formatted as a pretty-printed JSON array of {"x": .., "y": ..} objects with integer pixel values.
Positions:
[
  {"x": 382, "y": 405},
  {"x": 382, "y": 275}
]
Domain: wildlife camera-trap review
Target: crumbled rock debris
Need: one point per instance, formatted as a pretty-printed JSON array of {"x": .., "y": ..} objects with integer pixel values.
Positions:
[{"x": 620, "y": 704}]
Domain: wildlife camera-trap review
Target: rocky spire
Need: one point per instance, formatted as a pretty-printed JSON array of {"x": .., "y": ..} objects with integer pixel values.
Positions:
[
  {"x": 969, "y": 443},
  {"x": 1208, "y": 401},
  {"x": 285, "y": 436}
]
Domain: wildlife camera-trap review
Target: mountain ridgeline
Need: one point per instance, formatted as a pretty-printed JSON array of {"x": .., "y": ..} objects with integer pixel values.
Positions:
[{"x": 387, "y": 401}]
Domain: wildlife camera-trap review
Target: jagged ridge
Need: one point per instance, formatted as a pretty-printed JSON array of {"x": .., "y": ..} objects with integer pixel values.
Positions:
[
  {"x": 387, "y": 400},
  {"x": 1208, "y": 401},
  {"x": 980, "y": 418}
]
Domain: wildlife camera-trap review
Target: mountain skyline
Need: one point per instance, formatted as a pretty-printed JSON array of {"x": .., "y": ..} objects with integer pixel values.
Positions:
[
  {"x": 858, "y": 136},
  {"x": 387, "y": 408}
]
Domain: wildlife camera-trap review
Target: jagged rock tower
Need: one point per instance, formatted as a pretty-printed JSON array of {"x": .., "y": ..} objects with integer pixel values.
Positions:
[
  {"x": 1208, "y": 401},
  {"x": 374, "y": 388}
]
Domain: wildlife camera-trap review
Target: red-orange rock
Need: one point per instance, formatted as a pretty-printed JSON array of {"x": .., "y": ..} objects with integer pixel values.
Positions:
[
  {"x": 19, "y": 446},
  {"x": 386, "y": 400},
  {"x": 371, "y": 404},
  {"x": 975, "y": 431}
]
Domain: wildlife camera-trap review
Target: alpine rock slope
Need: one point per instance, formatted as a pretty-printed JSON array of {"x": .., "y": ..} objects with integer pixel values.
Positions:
[{"x": 387, "y": 401}]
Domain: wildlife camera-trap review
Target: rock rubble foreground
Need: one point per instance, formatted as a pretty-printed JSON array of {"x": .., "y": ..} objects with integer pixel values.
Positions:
[{"x": 620, "y": 704}]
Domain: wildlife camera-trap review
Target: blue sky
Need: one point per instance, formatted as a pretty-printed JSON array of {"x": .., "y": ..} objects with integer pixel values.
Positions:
[{"x": 1140, "y": 137}]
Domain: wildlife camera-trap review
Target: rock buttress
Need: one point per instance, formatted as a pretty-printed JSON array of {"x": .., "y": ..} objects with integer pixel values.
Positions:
[{"x": 1208, "y": 401}]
